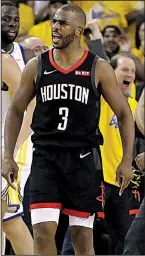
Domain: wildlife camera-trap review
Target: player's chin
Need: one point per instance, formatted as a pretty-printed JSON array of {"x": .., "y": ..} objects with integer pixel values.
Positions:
[{"x": 11, "y": 38}]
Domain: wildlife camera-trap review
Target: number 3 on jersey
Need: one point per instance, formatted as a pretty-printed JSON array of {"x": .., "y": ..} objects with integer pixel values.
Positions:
[{"x": 64, "y": 113}]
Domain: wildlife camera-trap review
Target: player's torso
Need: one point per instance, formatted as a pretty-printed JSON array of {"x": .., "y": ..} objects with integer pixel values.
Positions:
[
  {"x": 5, "y": 98},
  {"x": 65, "y": 113},
  {"x": 18, "y": 54}
]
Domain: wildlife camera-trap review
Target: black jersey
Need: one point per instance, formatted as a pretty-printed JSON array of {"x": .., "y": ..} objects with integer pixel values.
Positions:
[{"x": 67, "y": 104}]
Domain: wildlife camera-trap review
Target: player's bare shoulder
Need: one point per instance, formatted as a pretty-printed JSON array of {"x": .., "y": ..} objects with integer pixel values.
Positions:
[
  {"x": 31, "y": 68},
  {"x": 102, "y": 65},
  {"x": 7, "y": 59},
  {"x": 33, "y": 62},
  {"x": 103, "y": 69}
]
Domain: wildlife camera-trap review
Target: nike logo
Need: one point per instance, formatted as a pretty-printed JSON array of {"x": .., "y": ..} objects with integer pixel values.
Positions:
[
  {"x": 82, "y": 156},
  {"x": 49, "y": 72}
]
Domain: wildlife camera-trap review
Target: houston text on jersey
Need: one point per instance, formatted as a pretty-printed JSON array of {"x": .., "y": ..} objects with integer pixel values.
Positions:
[{"x": 65, "y": 91}]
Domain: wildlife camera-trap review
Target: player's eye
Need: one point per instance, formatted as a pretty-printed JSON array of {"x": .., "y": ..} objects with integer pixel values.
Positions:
[
  {"x": 53, "y": 22},
  {"x": 63, "y": 23},
  {"x": 17, "y": 20},
  {"x": 6, "y": 19}
]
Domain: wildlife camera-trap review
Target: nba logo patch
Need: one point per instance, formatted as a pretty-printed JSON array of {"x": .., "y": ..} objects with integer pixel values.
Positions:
[{"x": 82, "y": 73}]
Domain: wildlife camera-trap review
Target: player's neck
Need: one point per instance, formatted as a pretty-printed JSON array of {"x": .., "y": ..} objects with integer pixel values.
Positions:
[
  {"x": 68, "y": 53},
  {"x": 7, "y": 47}
]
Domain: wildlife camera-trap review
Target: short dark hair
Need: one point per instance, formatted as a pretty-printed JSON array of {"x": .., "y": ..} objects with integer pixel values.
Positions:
[
  {"x": 58, "y": 1},
  {"x": 10, "y": 3},
  {"x": 76, "y": 9},
  {"x": 87, "y": 31},
  {"x": 117, "y": 29},
  {"x": 115, "y": 58}
]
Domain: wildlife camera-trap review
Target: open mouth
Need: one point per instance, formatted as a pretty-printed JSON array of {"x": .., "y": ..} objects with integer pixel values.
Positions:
[
  {"x": 126, "y": 83},
  {"x": 12, "y": 33},
  {"x": 56, "y": 37}
]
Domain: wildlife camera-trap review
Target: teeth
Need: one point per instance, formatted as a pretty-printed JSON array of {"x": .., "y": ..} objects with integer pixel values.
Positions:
[{"x": 56, "y": 36}]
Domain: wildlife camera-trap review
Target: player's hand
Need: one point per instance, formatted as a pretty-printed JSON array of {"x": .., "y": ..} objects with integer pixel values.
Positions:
[
  {"x": 140, "y": 161},
  {"x": 10, "y": 171},
  {"x": 124, "y": 175}
]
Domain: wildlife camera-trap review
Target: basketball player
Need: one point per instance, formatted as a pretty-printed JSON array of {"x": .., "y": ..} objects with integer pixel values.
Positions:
[
  {"x": 9, "y": 68},
  {"x": 10, "y": 23},
  {"x": 16, "y": 230},
  {"x": 135, "y": 238},
  {"x": 63, "y": 174},
  {"x": 10, "y": 27}
]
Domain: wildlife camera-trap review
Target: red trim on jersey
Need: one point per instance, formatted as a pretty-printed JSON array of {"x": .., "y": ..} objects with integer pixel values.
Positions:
[
  {"x": 46, "y": 205},
  {"x": 76, "y": 213},
  {"x": 101, "y": 215},
  {"x": 134, "y": 212},
  {"x": 54, "y": 64}
]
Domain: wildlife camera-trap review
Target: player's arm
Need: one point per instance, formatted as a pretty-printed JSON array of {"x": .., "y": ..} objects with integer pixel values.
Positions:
[
  {"x": 139, "y": 114},
  {"x": 11, "y": 73},
  {"x": 25, "y": 129},
  {"x": 118, "y": 103},
  {"x": 20, "y": 101}
]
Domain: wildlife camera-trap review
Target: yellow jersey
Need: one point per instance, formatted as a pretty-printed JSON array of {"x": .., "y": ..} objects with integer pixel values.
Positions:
[
  {"x": 111, "y": 150},
  {"x": 43, "y": 31},
  {"x": 108, "y": 12},
  {"x": 15, "y": 196},
  {"x": 26, "y": 21},
  {"x": 133, "y": 91}
]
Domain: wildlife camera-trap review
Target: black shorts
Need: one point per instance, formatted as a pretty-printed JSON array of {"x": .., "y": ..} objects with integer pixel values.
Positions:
[{"x": 66, "y": 179}]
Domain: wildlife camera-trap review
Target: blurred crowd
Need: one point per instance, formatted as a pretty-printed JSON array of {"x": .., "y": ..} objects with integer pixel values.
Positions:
[{"x": 118, "y": 27}]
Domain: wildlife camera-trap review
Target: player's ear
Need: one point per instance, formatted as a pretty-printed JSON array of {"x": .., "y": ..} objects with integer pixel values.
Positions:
[{"x": 79, "y": 31}]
